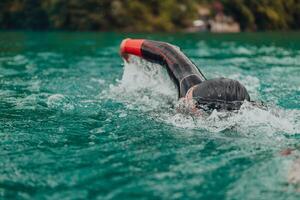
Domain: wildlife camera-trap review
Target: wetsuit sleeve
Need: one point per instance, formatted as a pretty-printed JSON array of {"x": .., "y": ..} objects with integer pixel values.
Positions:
[{"x": 182, "y": 71}]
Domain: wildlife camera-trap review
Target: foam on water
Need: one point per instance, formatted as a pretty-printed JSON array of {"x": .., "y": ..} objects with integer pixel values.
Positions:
[
  {"x": 59, "y": 101},
  {"x": 144, "y": 86},
  {"x": 139, "y": 74}
]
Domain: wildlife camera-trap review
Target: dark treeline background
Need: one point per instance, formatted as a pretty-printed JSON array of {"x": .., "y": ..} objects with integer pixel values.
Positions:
[{"x": 143, "y": 15}]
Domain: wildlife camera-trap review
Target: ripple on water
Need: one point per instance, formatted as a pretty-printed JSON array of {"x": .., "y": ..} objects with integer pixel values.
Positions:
[
  {"x": 60, "y": 102},
  {"x": 68, "y": 128}
]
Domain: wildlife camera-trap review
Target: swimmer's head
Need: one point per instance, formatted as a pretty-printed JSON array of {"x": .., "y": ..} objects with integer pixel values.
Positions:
[{"x": 220, "y": 94}]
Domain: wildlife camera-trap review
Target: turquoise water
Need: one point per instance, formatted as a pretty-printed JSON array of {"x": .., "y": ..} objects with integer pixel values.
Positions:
[{"x": 78, "y": 123}]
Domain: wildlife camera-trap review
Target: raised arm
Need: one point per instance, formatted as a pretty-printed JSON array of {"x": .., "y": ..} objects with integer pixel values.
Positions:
[{"x": 182, "y": 71}]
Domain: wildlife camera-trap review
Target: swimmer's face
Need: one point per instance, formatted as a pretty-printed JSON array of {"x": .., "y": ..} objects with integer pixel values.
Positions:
[{"x": 188, "y": 106}]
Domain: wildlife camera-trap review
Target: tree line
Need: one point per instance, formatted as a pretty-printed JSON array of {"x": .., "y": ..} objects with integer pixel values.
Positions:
[
  {"x": 265, "y": 14},
  {"x": 142, "y": 15}
]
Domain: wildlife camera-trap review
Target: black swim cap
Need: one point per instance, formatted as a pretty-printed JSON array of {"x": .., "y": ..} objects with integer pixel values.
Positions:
[{"x": 220, "y": 94}]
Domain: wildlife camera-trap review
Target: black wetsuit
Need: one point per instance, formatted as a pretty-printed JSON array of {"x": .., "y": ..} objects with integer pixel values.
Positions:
[{"x": 219, "y": 93}]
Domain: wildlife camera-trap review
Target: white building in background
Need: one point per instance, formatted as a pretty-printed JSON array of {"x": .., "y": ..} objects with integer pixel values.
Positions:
[
  {"x": 220, "y": 23},
  {"x": 224, "y": 24}
]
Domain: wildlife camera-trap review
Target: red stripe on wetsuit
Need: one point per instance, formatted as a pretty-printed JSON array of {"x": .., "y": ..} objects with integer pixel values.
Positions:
[{"x": 129, "y": 46}]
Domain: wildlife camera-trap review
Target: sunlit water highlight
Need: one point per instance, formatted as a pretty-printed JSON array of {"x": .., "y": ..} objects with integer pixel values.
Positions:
[{"x": 77, "y": 122}]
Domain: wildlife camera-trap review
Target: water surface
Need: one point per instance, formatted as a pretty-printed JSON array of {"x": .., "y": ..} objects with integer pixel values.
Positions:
[{"x": 76, "y": 123}]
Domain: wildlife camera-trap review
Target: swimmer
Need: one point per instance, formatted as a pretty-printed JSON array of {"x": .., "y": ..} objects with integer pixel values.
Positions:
[{"x": 217, "y": 93}]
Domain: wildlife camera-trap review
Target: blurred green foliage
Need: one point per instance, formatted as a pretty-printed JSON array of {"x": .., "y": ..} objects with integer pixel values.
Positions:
[
  {"x": 128, "y": 15},
  {"x": 142, "y": 15},
  {"x": 265, "y": 14}
]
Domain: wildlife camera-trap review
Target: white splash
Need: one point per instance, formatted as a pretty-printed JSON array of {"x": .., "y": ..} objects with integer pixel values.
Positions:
[
  {"x": 144, "y": 86},
  {"x": 140, "y": 74}
]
